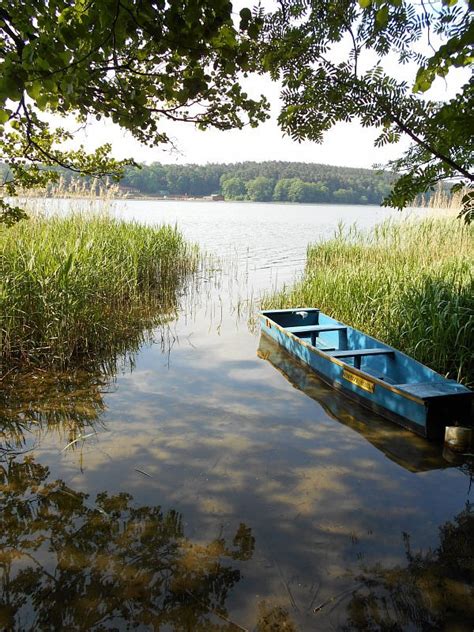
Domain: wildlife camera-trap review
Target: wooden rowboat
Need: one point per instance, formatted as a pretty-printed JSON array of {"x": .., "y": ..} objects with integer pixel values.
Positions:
[{"x": 369, "y": 371}]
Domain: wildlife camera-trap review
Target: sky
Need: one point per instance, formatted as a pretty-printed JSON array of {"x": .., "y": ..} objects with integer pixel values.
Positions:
[{"x": 347, "y": 144}]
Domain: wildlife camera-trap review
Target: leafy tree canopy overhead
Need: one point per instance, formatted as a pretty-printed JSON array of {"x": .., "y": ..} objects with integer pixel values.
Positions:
[
  {"x": 139, "y": 61},
  {"x": 132, "y": 61},
  {"x": 302, "y": 47}
]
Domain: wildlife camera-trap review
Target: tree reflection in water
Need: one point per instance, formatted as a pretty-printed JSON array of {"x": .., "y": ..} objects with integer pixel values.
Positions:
[
  {"x": 68, "y": 403},
  {"x": 435, "y": 591},
  {"x": 71, "y": 564}
]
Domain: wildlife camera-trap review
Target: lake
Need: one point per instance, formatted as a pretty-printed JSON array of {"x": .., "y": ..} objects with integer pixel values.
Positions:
[{"x": 212, "y": 483}]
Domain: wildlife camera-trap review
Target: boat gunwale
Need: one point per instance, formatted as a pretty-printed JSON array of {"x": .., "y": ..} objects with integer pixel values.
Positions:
[{"x": 325, "y": 356}]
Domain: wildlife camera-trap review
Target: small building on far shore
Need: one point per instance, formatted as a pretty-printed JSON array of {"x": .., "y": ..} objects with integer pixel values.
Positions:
[{"x": 217, "y": 197}]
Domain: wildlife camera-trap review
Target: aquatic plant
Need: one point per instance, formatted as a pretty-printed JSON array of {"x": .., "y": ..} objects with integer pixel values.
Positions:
[
  {"x": 83, "y": 287},
  {"x": 408, "y": 283}
]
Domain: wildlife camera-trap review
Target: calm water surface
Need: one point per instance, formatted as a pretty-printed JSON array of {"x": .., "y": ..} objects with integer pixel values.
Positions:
[{"x": 212, "y": 483}]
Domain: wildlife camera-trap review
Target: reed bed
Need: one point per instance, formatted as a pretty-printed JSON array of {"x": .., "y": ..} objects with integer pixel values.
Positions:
[
  {"x": 442, "y": 202},
  {"x": 409, "y": 284},
  {"x": 84, "y": 287},
  {"x": 75, "y": 188}
]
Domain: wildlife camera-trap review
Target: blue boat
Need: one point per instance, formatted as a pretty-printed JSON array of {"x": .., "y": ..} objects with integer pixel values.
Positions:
[
  {"x": 378, "y": 376},
  {"x": 405, "y": 448}
]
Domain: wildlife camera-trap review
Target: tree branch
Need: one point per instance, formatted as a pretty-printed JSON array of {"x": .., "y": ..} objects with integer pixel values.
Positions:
[
  {"x": 431, "y": 149},
  {"x": 396, "y": 119}
]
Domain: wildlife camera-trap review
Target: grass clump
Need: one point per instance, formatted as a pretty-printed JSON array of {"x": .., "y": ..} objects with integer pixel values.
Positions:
[
  {"x": 409, "y": 284},
  {"x": 82, "y": 287}
]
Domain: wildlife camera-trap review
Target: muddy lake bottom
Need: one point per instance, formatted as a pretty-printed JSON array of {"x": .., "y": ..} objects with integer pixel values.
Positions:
[{"x": 212, "y": 483}]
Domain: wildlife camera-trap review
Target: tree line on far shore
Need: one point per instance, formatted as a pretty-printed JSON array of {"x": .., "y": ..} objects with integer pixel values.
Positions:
[{"x": 262, "y": 182}]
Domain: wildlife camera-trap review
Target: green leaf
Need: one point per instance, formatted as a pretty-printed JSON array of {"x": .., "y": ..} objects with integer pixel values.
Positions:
[
  {"x": 365, "y": 4},
  {"x": 42, "y": 101},
  {"x": 35, "y": 89},
  {"x": 253, "y": 30},
  {"x": 381, "y": 16},
  {"x": 245, "y": 18},
  {"x": 4, "y": 116},
  {"x": 10, "y": 87}
]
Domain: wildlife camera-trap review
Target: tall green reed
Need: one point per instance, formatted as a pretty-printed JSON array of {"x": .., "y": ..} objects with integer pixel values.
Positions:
[
  {"x": 85, "y": 286},
  {"x": 407, "y": 283}
]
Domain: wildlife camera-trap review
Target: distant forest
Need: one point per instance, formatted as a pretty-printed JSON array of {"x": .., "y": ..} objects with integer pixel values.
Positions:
[
  {"x": 262, "y": 182},
  {"x": 299, "y": 182}
]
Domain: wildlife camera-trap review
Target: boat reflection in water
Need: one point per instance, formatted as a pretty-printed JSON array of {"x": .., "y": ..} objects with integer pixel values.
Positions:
[{"x": 408, "y": 450}]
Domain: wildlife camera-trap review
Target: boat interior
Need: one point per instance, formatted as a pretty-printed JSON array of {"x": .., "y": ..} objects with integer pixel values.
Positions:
[{"x": 362, "y": 352}]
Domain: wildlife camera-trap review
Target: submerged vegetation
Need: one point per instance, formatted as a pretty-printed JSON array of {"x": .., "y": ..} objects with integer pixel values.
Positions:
[
  {"x": 79, "y": 288},
  {"x": 410, "y": 284}
]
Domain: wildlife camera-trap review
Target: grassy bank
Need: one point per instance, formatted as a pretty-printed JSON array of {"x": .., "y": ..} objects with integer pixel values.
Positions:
[
  {"x": 409, "y": 284},
  {"x": 84, "y": 287}
]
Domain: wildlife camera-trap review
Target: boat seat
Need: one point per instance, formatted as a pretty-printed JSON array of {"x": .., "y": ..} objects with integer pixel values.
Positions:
[
  {"x": 314, "y": 328},
  {"x": 357, "y": 354},
  {"x": 433, "y": 389}
]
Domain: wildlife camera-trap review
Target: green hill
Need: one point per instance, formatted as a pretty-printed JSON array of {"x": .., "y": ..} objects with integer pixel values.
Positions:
[{"x": 262, "y": 182}]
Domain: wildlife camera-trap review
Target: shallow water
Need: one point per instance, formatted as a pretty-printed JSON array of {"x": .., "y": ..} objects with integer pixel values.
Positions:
[{"x": 214, "y": 484}]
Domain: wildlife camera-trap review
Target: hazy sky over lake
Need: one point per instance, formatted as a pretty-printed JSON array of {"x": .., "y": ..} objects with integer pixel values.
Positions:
[{"x": 347, "y": 144}]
